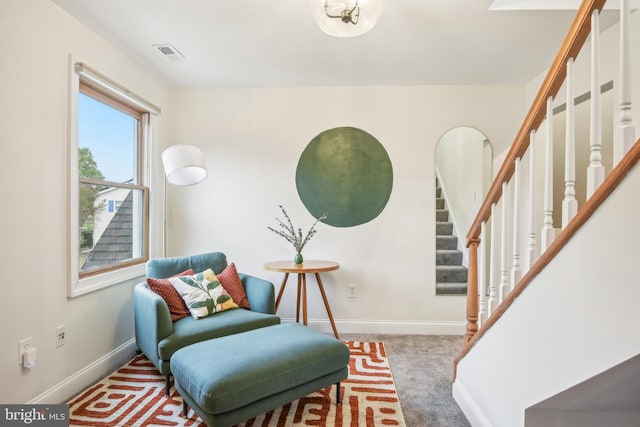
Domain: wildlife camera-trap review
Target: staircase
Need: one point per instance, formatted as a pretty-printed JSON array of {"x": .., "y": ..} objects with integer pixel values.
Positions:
[
  {"x": 532, "y": 339},
  {"x": 451, "y": 275}
]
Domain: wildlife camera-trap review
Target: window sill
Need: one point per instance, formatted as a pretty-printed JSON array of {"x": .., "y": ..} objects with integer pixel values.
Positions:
[{"x": 101, "y": 281}]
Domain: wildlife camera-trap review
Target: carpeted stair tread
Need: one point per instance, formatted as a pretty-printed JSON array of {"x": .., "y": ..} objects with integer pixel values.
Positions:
[
  {"x": 444, "y": 228},
  {"x": 439, "y": 203},
  {"x": 451, "y": 288},
  {"x": 448, "y": 257},
  {"x": 446, "y": 242},
  {"x": 442, "y": 215},
  {"x": 451, "y": 273}
]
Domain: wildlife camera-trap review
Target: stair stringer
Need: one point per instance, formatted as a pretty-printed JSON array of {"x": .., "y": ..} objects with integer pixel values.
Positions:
[{"x": 576, "y": 319}]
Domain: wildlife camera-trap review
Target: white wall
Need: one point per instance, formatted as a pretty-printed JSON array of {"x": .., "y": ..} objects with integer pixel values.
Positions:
[
  {"x": 570, "y": 324},
  {"x": 253, "y": 138},
  {"x": 35, "y": 37}
]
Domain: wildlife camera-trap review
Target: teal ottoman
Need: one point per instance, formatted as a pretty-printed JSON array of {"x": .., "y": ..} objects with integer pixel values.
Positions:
[{"x": 234, "y": 378}]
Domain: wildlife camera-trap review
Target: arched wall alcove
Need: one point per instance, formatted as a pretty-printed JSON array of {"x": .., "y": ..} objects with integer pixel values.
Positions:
[
  {"x": 464, "y": 173},
  {"x": 463, "y": 164}
]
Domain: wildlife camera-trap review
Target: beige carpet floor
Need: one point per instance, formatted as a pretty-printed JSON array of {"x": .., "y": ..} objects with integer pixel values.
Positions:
[{"x": 422, "y": 367}]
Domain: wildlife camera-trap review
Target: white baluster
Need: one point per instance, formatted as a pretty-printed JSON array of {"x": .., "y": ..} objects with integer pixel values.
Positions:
[
  {"x": 516, "y": 271},
  {"x": 504, "y": 272},
  {"x": 482, "y": 279},
  {"x": 570, "y": 204},
  {"x": 595, "y": 171},
  {"x": 626, "y": 124},
  {"x": 493, "y": 291},
  {"x": 532, "y": 244},
  {"x": 548, "y": 233}
]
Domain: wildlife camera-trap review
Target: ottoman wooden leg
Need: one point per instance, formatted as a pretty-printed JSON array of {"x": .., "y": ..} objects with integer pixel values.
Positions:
[
  {"x": 185, "y": 409},
  {"x": 338, "y": 402}
]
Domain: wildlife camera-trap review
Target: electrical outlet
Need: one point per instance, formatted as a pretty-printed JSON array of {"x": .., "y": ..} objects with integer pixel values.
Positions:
[
  {"x": 352, "y": 290},
  {"x": 23, "y": 346},
  {"x": 61, "y": 335}
]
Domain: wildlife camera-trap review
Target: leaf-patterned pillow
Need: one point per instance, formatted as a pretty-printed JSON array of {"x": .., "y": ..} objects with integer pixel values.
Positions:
[{"x": 202, "y": 293}]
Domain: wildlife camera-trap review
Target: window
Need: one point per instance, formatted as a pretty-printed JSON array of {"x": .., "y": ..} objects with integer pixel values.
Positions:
[
  {"x": 109, "y": 199},
  {"x": 114, "y": 205}
]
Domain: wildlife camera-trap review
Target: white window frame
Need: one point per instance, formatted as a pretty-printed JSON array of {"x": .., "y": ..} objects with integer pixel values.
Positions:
[{"x": 78, "y": 285}]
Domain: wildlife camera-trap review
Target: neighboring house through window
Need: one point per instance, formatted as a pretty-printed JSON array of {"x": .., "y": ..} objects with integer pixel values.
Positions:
[{"x": 109, "y": 198}]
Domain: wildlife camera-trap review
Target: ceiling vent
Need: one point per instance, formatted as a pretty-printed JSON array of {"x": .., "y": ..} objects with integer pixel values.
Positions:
[{"x": 170, "y": 52}]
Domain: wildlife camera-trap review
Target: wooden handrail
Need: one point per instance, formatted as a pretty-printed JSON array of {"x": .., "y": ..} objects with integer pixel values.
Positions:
[
  {"x": 589, "y": 208},
  {"x": 571, "y": 46}
]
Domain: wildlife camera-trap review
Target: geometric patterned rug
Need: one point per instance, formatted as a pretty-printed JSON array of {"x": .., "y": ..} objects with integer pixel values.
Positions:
[{"x": 133, "y": 396}]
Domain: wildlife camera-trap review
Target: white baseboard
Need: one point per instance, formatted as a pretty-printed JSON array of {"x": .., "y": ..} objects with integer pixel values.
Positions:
[
  {"x": 468, "y": 406},
  {"x": 88, "y": 375},
  {"x": 387, "y": 327}
]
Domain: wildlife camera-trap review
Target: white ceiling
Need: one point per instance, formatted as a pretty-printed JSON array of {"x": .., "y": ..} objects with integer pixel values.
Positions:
[{"x": 248, "y": 43}]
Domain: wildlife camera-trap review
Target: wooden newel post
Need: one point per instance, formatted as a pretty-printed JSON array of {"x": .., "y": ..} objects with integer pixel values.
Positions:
[{"x": 472, "y": 290}]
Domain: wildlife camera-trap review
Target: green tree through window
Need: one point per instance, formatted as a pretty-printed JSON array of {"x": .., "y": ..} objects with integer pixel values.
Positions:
[{"x": 88, "y": 193}]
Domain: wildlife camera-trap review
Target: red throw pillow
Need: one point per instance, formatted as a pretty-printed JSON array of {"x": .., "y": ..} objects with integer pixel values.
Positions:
[
  {"x": 177, "y": 308},
  {"x": 230, "y": 281}
]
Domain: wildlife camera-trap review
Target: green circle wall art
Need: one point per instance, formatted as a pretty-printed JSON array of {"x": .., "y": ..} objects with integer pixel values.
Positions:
[{"x": 346, "y": 173}]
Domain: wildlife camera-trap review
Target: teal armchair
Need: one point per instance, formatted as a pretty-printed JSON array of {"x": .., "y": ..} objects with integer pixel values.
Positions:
[{"x": 158, "y": 337}]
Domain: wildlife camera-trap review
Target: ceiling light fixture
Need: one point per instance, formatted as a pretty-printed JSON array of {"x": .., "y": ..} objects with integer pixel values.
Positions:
[{"x": 346, "y": 18}]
